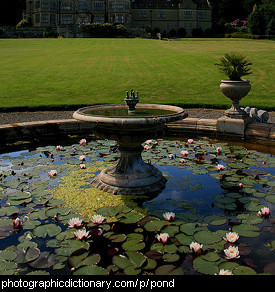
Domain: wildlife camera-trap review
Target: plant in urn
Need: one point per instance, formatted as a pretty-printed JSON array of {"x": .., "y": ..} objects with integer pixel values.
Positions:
[{"x": 235, "y": 66}]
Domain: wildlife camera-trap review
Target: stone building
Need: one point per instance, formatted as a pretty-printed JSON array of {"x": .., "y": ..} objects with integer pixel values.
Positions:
[{"x": 134, "y": 14}]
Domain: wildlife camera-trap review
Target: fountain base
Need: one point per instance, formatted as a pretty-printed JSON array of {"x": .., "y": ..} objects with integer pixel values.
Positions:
[{"x": 130, "y": 176}]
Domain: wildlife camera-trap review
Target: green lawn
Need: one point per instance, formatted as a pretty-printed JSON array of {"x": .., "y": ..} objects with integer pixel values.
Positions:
[{"x": 59, "y": 72}]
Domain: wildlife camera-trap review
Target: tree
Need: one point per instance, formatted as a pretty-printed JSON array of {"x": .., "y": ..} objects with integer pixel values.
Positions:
[{"x": 261, "y": 21}]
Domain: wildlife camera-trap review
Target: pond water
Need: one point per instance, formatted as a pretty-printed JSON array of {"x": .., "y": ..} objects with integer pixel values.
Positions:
[
  {"x": 212, "y": 187},
  {"x": 124, "y": 112}
]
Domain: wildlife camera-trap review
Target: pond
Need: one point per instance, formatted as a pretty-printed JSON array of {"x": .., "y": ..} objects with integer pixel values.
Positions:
[{"x": 213, "y": 188}]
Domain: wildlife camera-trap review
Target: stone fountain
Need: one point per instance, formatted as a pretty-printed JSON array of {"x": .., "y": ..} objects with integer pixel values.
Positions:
[{"x": 130, "y": 124}]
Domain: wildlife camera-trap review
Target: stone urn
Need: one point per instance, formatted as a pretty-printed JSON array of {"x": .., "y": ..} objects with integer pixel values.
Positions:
[{"x": 235, "y": 90}]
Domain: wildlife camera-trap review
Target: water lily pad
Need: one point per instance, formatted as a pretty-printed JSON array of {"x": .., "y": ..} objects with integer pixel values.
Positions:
[
  {"x": 270, "y": 198},
  {"x": 250, "y": 218},
  {"x": 132, "y": 271},
  {"x": 25, "y": 256},
  {"x": 7, "y": 267},
  {"x": 215, "y": 219},
  {"x": 205, "y": 267},
  {"x": 211, "y": 257},
  {"x": 170, "y": 257},
  {"x": 46, "y": 230},
  {"x": 130, "y": 218},
  {"x": 243, "y": 270},
  {"x": 133, "y": 245},
  {"x": 67, "y": 247},
  {"x": 121, "y": 261},
  {"x": 44, "y": 261},
  {"x": 207, "y": 237},
  {"x": 136, "y": 258},
  {"x": 154, "y": 225},
  {"x": 7, "y": 255},
  {"x": 246, "y": 230},
  {"x": 8, "y": 210},
  {"x": 184, "y": 239},
  {"x": 90, "y": 270},
  {"x": 169, "y": 270}
]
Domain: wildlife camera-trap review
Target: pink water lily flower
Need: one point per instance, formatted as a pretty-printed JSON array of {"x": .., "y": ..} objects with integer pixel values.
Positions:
[
  {"x": 184, "y": 153},
  {"x": 172, "y": 156},
  {"x": 82, "y": 158},
  {"x": 148, "y": 142},
  {"x": 163, "y": 237},
  {"x": 17, "y": 223},
  {"x": 218, "y": 150},
  {"x": 168, "y": 216},
  {"x": 82, "y": 166},
  {"x": 231, "y": 237},
  {"x": 52, "y": 173},
  {"x": 58, "y": 148},
  {"x": 220, "y": 167},
  {"x": 75, "y": 222},
  {"x": 265, "y": 211},
  {"x": 98, "y": 219},
  {"x": 82, "y": 142},
  {"x": 182, "y": 160},
  {"x": 232, "y": 252},
  {"x": 190, "y": 141},
  {"x": 82, "y": 234},
  {"x": 196, "y": 247}
]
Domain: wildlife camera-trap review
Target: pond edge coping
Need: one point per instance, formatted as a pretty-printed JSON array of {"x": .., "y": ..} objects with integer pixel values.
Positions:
[{"x": 222, "y": 127}]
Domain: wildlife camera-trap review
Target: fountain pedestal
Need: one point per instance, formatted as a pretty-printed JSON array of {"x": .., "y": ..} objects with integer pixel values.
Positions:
[{"x": 131, "y": 175}]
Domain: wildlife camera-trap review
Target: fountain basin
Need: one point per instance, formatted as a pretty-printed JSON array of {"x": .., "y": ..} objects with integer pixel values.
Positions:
[{"x": 131, "y": 175}]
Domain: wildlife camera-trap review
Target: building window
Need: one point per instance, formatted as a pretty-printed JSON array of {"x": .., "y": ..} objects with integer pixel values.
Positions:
[
  {"x": 119, "y": 18},
  {"x": 45, "y": 18},
  {"x": 188, "y": 14},
  {"x": 99, "y": 19},
  {"x": 45, "y": 5},
  {"x": 99, "y": 6},
  {"x": 83, "y": 6},
  {"x": 201, "y": 14},
  {"x": 37, "y": 4},
  {"x": 188, "y": 26},
  {"x": 53, "y": 19},
  {"x": 66, "y": 5},
  {"x": 52, "y": 5},
  {"x": 66, "y": 19},
  {"x": 37, "y": 18},
  {"x": 143, "y": 14},
  {"x": 119, "y": 5},
  {"x": 161, "y": 14}
]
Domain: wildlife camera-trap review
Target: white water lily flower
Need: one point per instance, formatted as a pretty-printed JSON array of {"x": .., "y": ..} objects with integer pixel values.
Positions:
[
  {"x": 231, "y": 237},
  {"x": 225, "y": 272},
  {"x": 163, "y": 237},
  {"x": 75, "y": 222},
  {"x": 168, "y": 216},
  {"x": 81, "y": 234},
  {"x": 232, "y": 252},
  {"x": 196, "y": 247},
  {"x": 98, "y": 219}
]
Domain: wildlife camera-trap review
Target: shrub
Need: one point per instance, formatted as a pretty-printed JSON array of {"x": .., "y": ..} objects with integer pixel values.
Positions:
[
  {"x": 182, "y": 32},
  {"x": 234, "y": 65}
]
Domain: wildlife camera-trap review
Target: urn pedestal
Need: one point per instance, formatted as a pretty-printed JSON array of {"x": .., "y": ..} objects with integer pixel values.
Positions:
[{"x": 235, "y": 90}]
